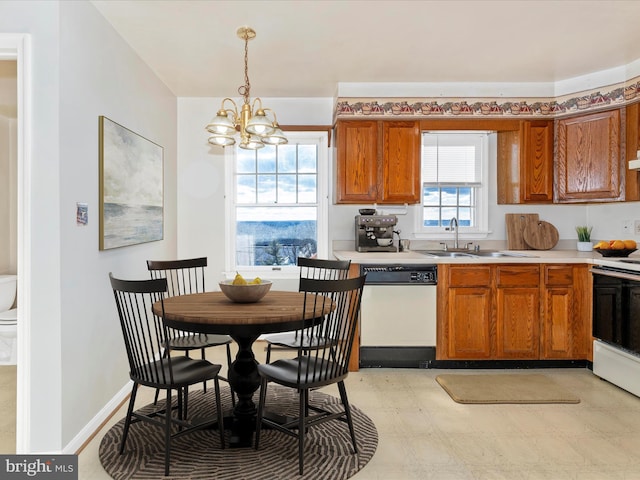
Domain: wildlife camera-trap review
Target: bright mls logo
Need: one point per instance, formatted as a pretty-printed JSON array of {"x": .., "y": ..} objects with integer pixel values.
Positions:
[{"x": 58, "y": 467}]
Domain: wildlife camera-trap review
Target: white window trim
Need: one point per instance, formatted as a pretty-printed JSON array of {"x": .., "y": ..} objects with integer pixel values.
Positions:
[
  {"x": 489, "y": 147},
  {"x": 278, "y": 272}
]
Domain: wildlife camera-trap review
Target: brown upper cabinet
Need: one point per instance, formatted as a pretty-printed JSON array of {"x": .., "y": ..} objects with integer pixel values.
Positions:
[
  {"x": 588, "y": 162},
  {"x": 525, "y": 163},
  {"x": 378, "y": 162},
  {"x": 632, "y": 137}
]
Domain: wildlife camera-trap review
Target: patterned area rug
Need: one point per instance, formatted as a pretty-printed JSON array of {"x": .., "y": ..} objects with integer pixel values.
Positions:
[{"x": 328, "y": 451}]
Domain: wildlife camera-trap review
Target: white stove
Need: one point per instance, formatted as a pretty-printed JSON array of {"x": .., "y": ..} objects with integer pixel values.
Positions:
[{"x": 616, "y": 322}]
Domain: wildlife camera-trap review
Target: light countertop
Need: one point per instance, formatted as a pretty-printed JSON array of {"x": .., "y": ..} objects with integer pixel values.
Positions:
[{"x": 523, "y": 256}]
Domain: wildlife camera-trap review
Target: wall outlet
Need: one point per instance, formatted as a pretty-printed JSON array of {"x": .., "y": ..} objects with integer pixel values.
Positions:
[
  {"x": 636, "y": 227},
  {"x": 627, "y": 226}
]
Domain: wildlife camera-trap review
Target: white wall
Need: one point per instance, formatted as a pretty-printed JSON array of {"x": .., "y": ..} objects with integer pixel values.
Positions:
[
  {"x": 607, "y": 220},
  {"x": 100, "y": 75},
  {"x": 40, "y": 19},
  {"x": 80, "y": 69}
]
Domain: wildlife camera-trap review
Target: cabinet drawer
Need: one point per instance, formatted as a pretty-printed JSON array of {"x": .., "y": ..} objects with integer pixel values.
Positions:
[
  {"x": 470, "y": 276},
  {"x": 558, "y": 275},
  {"x": 521, "y": 276}
]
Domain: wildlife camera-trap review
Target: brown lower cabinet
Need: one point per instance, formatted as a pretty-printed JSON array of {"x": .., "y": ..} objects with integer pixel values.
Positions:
[
  {"x": 566, "y": 312},
  {"x": 511, "y": 312}
]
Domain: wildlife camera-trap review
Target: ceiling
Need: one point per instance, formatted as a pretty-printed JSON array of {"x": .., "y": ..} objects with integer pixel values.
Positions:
[{"x": 306, "y": 48}]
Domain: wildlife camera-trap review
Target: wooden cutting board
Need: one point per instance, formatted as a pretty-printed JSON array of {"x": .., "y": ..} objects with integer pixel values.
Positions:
[
  {"x": 541, "y": 235},
  {"x": 516, "y": 222}
]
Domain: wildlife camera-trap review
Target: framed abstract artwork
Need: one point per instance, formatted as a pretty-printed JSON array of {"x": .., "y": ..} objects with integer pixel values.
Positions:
[{"x": 131, "y": 187}]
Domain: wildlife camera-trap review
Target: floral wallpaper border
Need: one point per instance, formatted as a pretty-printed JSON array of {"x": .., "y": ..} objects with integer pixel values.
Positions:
[{"x": 618, "y": 94}]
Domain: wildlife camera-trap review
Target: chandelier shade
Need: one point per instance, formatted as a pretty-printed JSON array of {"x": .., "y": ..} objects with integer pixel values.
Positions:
[
  {"x": 276, "y": 138},
  {"x": 255, "y": 125}
]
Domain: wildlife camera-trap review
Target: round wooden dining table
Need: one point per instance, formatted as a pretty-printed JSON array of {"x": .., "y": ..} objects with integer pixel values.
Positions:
[{"x": 213, "y": 312}]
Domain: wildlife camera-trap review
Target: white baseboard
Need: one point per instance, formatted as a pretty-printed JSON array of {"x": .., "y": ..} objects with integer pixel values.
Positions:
[{"x": 96, "y": 422}]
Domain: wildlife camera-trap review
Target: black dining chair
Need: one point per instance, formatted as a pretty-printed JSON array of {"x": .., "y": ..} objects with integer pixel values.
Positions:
[
  {"x": 314, "y": 268},
  {"x": 185, "y": 277},
  {"x": 325, "y": 365},
  {"x": 145, "y": 337}
]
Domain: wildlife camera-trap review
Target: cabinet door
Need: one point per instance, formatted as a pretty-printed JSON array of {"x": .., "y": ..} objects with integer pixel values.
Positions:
[
  {"x": 464, "y": 312},
  {"x": 557, "y": 340},
  {"x": 525, "y": 163},
  {"x": 566, "y": 315},
  {"x": 518, "y": 323},
  {"x": 632, "y": 144},
  {"x": 588, "y": 158},
  {"x": 517, "y": 312},
  {"x": 357, "y": 162},
  {"x": 400, "y": 162},
  {"x": 536, "y": 159},
  {"x": 469, "y": 335}
]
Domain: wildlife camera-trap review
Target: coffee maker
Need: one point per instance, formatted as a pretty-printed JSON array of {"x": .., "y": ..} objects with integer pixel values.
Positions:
[{"x": 374, "y": 233}]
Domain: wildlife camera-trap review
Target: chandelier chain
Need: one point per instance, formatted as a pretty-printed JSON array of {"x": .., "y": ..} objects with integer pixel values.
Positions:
[{"x": 245, "y": 89}]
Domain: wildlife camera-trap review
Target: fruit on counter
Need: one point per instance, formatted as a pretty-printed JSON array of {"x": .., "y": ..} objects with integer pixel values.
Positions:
[
  {"x": 239, "y": 280},
  {"x": 256, "y": 281},
  {"x": 616, "y": 244}
]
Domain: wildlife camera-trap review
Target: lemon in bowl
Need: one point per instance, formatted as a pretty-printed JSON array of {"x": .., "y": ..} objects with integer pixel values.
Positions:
[{"x": 240, "y": 290}]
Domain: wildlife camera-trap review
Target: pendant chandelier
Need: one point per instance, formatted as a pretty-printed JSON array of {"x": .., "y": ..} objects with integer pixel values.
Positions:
[{"x": 255, "y": 127}]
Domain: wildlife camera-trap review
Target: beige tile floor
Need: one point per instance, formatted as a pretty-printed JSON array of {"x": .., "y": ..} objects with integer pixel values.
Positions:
[
  {"x": 423, "y": 434},
  {"x": 7, "y": 409}
]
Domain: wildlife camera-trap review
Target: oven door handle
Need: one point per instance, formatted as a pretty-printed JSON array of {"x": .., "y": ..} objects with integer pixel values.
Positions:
[{"x": 610, "y": 273}]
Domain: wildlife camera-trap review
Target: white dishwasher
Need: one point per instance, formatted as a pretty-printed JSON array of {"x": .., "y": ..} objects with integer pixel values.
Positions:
[{"x": 398, "y": 315}]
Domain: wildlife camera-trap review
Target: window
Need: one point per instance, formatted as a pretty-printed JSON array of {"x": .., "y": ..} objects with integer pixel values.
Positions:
[
  {"x": 278, "y": 207},
  {"x": 454, "y": 181}
]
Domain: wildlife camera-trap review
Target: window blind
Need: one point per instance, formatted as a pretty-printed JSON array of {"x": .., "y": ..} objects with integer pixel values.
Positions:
[{"x": 451, "y": 159}]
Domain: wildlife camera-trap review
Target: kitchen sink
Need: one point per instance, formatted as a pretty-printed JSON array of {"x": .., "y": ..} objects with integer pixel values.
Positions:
[
  {"x": 471, "y": 254},
  {"x": 445, "y": 253},
  {"x": 493, "y": 253}
]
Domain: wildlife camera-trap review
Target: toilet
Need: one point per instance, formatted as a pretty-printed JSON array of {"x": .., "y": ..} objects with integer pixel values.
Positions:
[{"x": 8, "y": 320}]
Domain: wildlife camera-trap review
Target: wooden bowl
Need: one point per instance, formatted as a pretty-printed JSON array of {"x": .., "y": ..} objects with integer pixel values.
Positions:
[
  {"x": 610, "y": 252},
  {"x": 249, "y": 293}
]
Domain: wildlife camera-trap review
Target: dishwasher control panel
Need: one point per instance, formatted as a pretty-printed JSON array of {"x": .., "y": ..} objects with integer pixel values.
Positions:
[{"x": 400, "y": 274}]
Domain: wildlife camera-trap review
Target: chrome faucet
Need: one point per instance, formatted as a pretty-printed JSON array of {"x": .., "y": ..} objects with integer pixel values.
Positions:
[{"x": 453, "y": 227}]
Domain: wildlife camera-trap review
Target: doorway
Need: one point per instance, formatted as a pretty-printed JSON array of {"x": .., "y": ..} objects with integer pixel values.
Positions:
[
  {"x": 8, "y": 248},
  {"x": 15, "y": 47}
]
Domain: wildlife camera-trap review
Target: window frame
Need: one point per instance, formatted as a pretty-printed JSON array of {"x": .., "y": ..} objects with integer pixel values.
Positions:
[
  {"x": 482, "y": 198},
  {"x": 320, "y": 139}
]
